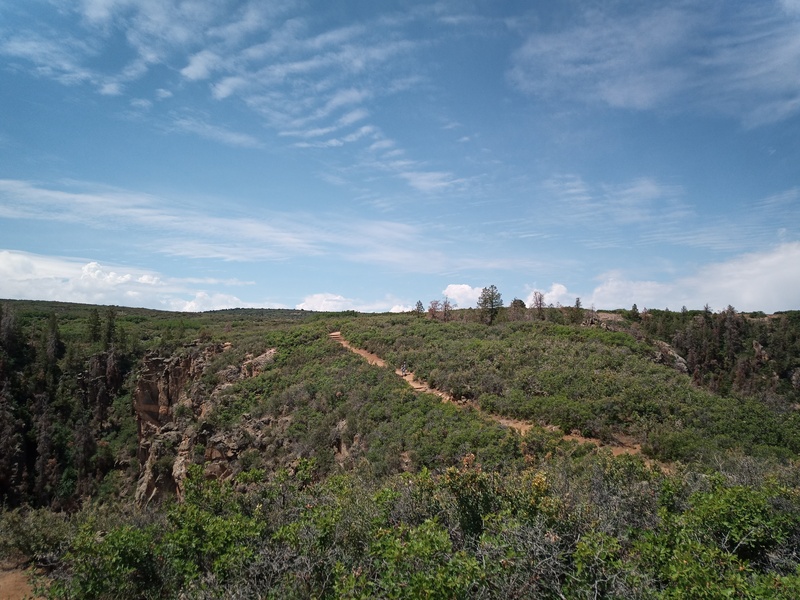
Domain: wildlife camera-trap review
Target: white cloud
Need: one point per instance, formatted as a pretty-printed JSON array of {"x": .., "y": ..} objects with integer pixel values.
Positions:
[
  {"x": 430, "y": 181},
  {"x": 111, "y": 89},
  {"x": 644, "y": 212},
  {"x": 328, "y": 302},
  {"x": 216, "y": 133},
  {"x": 557, "y": 294},
  {"x": 37, "y": 277},
  {"x": 767, "y": 280},
  {"x": 201, "y": 65},
  {"x": 228, "y": 86},
  {"x": 141, "y": 103},
  {"x": 737, "y": 59},
  {"x": 163, "y": 228},
  {"x": 58, "y": 59},
  {"x": 462, "y": 294},
  {"x": 791, "y": 6},
  {"x": 203, "y": 301}
]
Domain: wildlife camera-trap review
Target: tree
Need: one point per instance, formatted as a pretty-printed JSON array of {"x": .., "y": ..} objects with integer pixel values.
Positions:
[
  {"x": 94, "y": 326},
  {"x": 538, "y": 304},
  {"x": 109, "y": 334},
  {"x": 490, "y": 303},
  {"x": 635, "y": 316},
  {"x": 517, "y": 310},
  {"x": 434, "y": 308},
  {"x": 577, "y": 311},
  {"x": 419, "y": 309},
  {"x": 447, "y": 309}
]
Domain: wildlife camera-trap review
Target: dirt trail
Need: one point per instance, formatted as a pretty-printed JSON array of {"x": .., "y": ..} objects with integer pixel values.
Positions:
[
  {"x": 624, "y": 445},
  {"x": 14, "y": 584}
]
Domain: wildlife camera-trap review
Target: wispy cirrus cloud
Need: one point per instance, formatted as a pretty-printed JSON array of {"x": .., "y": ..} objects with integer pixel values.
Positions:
[
  {"x": 614, "y": 214},
  {"x": 736, "y": 59},
  {"x": 644, "y": 211},
  {"x": 215, "y": 132},
  {"x": 52, "y": 57},
  {"x": 299, "y": 74},
  {"x": 272, "y": 236},
  {"x": 431, "y": 181}
]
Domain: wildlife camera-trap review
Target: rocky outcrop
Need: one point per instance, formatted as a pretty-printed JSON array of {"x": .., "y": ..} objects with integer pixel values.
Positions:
[
  {"x": 170, "y": 397},
  {"x": 165, "y": 384},
  {"x": 666, "y": 355}
]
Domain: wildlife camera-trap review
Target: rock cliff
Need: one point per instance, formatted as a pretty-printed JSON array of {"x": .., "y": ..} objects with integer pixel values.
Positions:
[{"x": 171, "y": 400}]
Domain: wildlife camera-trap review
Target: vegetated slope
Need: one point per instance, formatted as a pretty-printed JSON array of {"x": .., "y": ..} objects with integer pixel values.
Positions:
[
  {"x": 306, "y": 472},
  {"x": 598, "y": 382},
  {"x": 343, "y": 412}
]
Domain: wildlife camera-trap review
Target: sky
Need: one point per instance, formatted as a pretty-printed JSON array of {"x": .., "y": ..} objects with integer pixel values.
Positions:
[{"x": 207, "y": 154}]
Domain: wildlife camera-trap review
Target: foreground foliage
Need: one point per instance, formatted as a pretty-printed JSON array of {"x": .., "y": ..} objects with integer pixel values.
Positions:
[{"x": 568, "y": 526}]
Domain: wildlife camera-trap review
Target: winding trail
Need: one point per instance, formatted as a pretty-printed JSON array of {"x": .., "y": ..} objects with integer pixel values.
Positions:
[{"x": 623, "y": 445}]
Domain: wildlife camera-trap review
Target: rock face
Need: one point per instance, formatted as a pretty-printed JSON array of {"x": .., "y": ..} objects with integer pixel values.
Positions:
[
  {"x": 169, "y": 396},
  {"x": 666, "y": 355},
  {"x": 164, "y": 385}
]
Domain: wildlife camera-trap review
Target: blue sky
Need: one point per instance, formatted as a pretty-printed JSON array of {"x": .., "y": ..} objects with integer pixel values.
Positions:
[{"x": 194, "y": 155}]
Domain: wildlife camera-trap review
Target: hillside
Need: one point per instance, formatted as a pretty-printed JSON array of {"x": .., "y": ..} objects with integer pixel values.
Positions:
[{"x": 245, "y": 453}]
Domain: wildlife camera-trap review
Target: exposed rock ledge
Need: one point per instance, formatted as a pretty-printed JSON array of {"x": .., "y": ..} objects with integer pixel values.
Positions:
[{"x": 169, "y": 395}]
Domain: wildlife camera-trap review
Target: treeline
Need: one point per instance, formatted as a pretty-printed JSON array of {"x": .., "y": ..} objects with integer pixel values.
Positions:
[
  {"x": 66, "y": 416},
  {"x": 57, "y": 394},
  {"x": 731, "y": 352}
]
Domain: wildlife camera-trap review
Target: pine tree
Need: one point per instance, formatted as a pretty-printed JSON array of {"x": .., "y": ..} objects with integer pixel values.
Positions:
[{"x": 490, "y": 303}]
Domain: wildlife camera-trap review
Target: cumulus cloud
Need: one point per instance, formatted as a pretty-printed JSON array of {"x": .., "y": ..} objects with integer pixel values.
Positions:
[
  {"x": 38, "y": 277},
  {"x": 768, "y": 281},
  {"x": 328, "y": 302},
  {"x": 204, "y": 301},
  {"x": 557, "y": 294},
  {"x": 462, "y": 294}
]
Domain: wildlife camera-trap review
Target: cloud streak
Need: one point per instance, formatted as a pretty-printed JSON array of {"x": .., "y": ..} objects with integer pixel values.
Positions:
[
  {"x": 276, "y": 236},
  {"x": 735, "y": 59},
  {"x": 301, "y": 75}
]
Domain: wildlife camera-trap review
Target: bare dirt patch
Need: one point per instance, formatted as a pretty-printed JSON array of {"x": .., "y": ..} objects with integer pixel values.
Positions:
[{"x": 14, "y": 583}]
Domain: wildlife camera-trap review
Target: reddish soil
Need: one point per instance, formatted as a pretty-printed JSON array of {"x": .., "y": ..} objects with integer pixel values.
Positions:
[
  {"x": 14, "y": 584},
  {"x": 622, "y": 445}
]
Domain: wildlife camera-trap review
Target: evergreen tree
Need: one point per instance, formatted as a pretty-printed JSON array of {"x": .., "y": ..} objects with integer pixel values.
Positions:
[
  {"x": 577, "y": 311},
  {"x": 111, "y": 328},
  {"x": 490, "y": 303},
  {"x": 94, "y": 326},
  {"x": 635, "y": 316}
]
